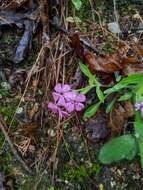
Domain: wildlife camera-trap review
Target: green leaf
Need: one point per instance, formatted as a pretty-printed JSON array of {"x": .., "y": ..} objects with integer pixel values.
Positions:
[
  {"x": 125, "y": 96},
  {"x": 125, "y": 82},
  {"x": 138, "y": 125},
  {"x": 100, "y": 94},
  {"x": 92, "y": 81},
  {"x": 123, "y": 147},
  {"x": 91, "y": 110},
  {"x": 140, "y": 89},
  {"x": 77, "y": 4},
  {"x": 87, "y": 72},
  {"x": 110, "y": 105},
  {"x": 84, "y": 90}
]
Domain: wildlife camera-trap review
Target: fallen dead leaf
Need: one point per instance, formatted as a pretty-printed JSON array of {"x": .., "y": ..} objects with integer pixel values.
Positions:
[
  {"x": 29, "y": 129},
  {"x": 118, "y": 117}
]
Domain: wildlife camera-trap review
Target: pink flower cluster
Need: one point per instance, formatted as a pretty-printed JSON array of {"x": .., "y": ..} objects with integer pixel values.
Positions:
[{"x": 66, "y": 101}]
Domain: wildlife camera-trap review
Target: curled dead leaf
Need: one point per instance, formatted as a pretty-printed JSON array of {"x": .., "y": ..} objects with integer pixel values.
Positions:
[{"x": 118, "y": 117}]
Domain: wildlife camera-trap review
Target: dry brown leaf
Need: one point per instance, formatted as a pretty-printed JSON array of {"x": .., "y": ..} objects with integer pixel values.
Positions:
[
  {"x": 132, "y": 69},
  {"x": 29, "y": 129},
  {"x": 118, "y": 117},
  {"x": 107, "y": 63},
  {"x": 34, "y": 85}
]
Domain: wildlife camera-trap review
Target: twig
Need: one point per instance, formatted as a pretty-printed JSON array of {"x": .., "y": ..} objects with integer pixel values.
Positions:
[
  {"x": 115, "y": 11},
  {"x": 116, "y": 15},
  {"x": 13, "y": 149}
]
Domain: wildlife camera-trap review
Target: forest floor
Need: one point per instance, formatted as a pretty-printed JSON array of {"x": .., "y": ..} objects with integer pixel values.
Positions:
[{"x": 42, "y": 45}]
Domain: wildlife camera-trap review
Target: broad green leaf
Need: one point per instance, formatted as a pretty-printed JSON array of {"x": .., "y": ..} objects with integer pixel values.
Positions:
[
  {"x": 119, "y": 148},
  {"x": 91, "y": 110},
  {"x": 77, "y": 4},
  {"x": 100, "y": 94},
  {"x": 125, "y": 96},
  {"x": 125, "y": 82},
  {"x": 138, "y": 125},
  {"x": 110, "y": 105}
]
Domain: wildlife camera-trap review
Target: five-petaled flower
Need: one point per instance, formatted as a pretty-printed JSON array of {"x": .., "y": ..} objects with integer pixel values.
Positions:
[{"x": 66, "y": 100}]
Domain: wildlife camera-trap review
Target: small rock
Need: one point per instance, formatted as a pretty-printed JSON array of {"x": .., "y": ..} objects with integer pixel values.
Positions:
[
  {"x": 19, "y": 110},
  {"x": 96, "y": 128},
  {"x": 119, "y": 172},
  {"x": 5, "y": 85},
  {"x": 114, "y": 27}
]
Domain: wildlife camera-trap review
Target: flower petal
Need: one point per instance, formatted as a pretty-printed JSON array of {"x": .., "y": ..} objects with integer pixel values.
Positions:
[
  {"x": 61, "y": 101},
  {"x": 79, "y": 106},
  {"x": 60, "y": 114},
  {"x": 66, "y": 88},
  {"x": 70, "y": 96},
  {"x": 56, "y": 96},
  {"x": 137, "y": 106},
  {"x": 64, "y": 114},
  {"x": 69, "y": 107},
  {"x": 81, "y": 98},
  {"x": 58, "y": 88},
  {"x": 53, "y": 107}
]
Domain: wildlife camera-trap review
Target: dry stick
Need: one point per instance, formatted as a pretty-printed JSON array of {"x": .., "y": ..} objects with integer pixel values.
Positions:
[
  {"x": 116, "y": 14},
  {"x": 13, "y": 149},
  {"x": 39, "y": 179},
  {"x": 92, "y": 10}
]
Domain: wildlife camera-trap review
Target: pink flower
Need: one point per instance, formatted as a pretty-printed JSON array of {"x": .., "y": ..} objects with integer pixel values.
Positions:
[
  {"x": 55, "y": 109},
  {"x": 70, "y": 107},
  {"x": 59, "y": 94},
  {"x": 66, "y": 100},
  {"x": 75, "y": 102},
  {"x": 62, "y": 88},
  {"x": 70, "y": 96}
]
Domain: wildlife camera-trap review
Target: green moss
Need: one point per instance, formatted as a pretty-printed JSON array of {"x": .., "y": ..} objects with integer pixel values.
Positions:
[
  {"x": 7, "y": 109},
  {"x": 5, "y": 162},
  {"x": 83, "y": 13},
  {"x": 79, "y": 174},
  {"x": 8, "y": 40}
]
